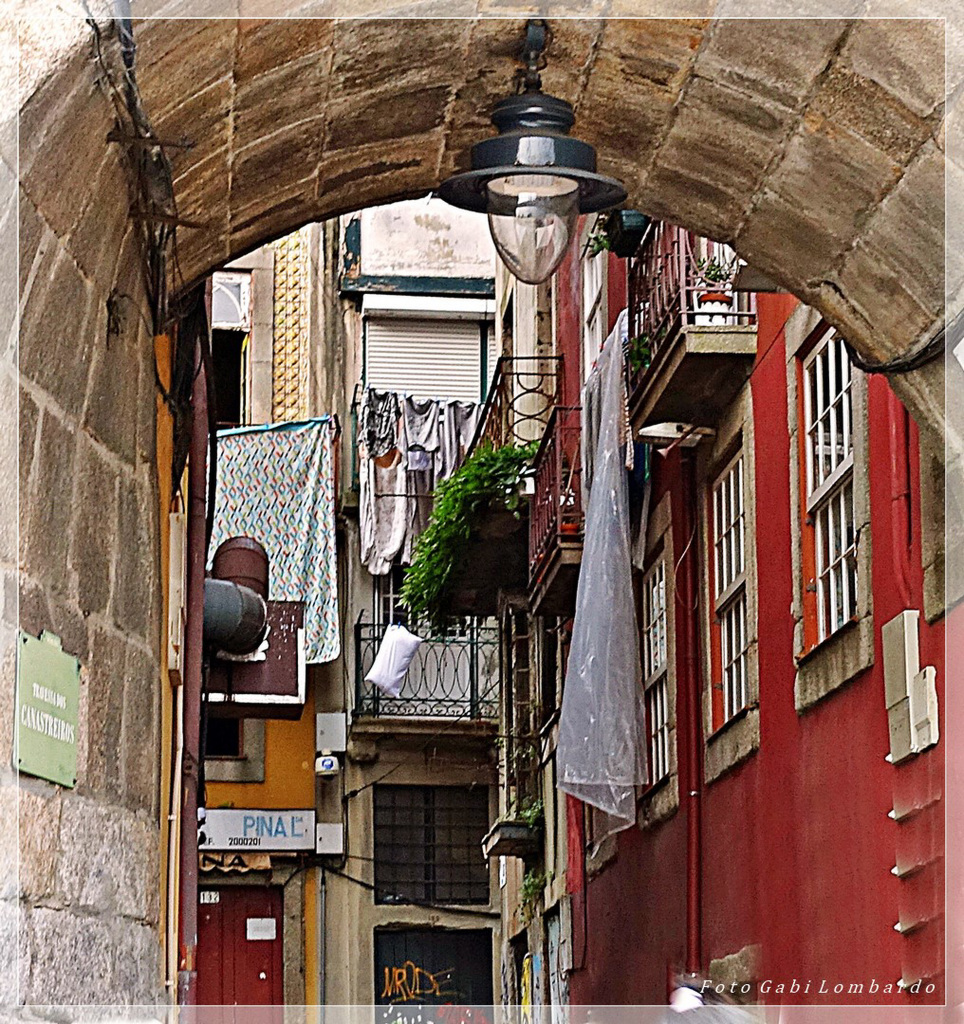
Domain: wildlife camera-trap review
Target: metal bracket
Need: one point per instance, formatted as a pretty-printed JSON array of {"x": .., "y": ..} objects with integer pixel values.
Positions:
[
  {"x": 536, "y": 40},
  {"x": 117, "y": 134}
]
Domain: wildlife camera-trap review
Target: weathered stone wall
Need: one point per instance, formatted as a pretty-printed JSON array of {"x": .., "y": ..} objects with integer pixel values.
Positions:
[
  {"x": 424, "y": 237},
  {"x": 89, "y": 572}
]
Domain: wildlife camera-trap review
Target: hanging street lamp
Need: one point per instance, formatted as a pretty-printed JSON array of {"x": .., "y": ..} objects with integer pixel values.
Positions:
[{"x": 532, "y": 179}]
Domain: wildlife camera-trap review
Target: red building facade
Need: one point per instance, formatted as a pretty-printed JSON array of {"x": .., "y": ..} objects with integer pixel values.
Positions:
[{"x": 793, "y": 840}]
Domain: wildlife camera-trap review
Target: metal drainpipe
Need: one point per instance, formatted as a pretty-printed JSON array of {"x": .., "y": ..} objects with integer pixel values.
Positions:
[
  {"x": 193, "y": 667},
  {"x": 689, "y": 637},
  {"x": 900, "y": 520}
]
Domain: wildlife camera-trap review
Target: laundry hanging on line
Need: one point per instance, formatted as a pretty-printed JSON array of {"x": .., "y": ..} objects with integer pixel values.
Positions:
[{"x": 406, "y": 447}]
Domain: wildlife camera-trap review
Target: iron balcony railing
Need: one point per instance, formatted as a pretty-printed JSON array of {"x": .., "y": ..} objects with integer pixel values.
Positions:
[
  {"x": 523, "y": 393},
  {"x": 556, "y": 514},
  {"x": 678, "y": 279},
  {"x": 454, "y": 674}
]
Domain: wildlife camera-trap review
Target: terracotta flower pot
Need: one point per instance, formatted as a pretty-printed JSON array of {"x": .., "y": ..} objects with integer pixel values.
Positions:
[{"x": 713, "y": 297}]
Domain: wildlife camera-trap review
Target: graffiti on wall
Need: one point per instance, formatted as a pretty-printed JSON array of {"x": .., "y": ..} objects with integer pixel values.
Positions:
[{"x": 410, "y": 983}]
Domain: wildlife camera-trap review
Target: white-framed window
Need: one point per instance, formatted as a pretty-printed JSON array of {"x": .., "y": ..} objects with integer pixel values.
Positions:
[
  {"x": 729, "y": 591},
  {"x": 654, "y": 655},
  {"x": 829, "y": 453},
  {"x": 594, "y": 309},
  {"x": 388, "y": 606},
  {"x": 231, "y": 300}
]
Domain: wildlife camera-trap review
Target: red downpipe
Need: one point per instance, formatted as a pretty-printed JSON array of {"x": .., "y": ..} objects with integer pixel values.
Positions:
[
  {"x": 193, "y": 667},
  {"x": 900, "y": 519},
  {"x": 688, "y": 634}
]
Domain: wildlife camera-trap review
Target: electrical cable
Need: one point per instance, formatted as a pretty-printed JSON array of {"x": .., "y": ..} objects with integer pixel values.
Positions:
[
  {"x": 411, "y": 901},
  {"x": 928, "y": 351}
]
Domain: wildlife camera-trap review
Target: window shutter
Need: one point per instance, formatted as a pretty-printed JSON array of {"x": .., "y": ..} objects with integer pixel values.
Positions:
[{"x": 426, "y": 358}]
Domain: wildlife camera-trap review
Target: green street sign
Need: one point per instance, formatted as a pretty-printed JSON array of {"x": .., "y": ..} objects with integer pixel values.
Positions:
[{"x": 48, "y": 694}]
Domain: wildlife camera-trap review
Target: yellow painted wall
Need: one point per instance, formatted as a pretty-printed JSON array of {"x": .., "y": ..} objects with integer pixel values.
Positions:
[{"x": 289, "y": 768}]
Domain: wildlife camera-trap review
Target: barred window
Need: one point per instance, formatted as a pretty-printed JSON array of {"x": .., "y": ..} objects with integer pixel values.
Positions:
[
  {"x": 654, "y": 670},
  {"x": 428, "y": 844},
  {"x": 729, "y": 592},
  {"x": 828, "y": 410}
]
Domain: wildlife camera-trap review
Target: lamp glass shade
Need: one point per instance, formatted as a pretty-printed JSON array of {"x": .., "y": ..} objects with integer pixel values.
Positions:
[{"x": 532, "y": 218}]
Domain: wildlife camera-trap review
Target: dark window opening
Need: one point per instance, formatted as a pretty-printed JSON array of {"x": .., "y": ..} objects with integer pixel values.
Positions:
[
  {"x": 224, "y": 738},
  {"x": 388, "y": 607},
  {"x": 428, "y": 844},
  {"x": 229, "y": 352},
  {"x": 549, "y": 669}
]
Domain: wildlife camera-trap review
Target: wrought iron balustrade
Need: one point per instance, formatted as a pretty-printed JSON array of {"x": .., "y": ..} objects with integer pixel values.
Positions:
[
  {"x": 523, "y": 393},
  {"x": 557, "y": 512},
  {"x": 676, "y": 280},
  {"x": 454, "y": 674}
]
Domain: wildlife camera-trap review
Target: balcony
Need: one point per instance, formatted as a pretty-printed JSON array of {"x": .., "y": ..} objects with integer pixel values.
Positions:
[
  {"x": 523, "y": 394},
  {"x": 556, "y": 517},
  {"x": 692, "y": 337},
  {"x": 453, "y": 675}
]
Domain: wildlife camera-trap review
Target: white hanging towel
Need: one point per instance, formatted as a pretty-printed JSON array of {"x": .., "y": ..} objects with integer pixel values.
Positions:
[{"x": 392, "y": 661}]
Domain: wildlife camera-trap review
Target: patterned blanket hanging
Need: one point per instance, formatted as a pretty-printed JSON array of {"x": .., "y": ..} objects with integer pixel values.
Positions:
[{"x": 276, "y": 485}]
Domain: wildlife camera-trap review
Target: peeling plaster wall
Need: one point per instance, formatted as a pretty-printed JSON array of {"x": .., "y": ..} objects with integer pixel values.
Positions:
[{"x": 425, "y": 235}]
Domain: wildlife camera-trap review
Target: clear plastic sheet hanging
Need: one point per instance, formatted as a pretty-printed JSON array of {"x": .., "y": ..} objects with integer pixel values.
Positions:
[{"x": 600, "y": 756}]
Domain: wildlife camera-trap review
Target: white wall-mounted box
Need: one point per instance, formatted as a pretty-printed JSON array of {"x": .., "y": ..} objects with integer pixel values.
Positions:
[
  {"x": 329, "y": 838},
  {"x": 331, "y": 732}
]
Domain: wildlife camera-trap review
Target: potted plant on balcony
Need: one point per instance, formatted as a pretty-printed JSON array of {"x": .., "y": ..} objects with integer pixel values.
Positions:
[
  {"x": 519, "y": 833},
  {"x": 487, "y": 482},
  {"x": 717, "y": 298}
]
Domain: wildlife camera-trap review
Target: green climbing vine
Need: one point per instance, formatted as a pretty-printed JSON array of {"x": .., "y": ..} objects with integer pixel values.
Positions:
[{"x": 489, "y": 478}]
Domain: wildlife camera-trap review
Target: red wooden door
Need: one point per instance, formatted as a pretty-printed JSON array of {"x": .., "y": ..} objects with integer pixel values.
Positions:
[{"x": 239, "y": 949}]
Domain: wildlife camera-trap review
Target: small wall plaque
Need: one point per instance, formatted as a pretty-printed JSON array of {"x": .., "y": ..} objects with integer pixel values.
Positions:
[{"x": 48, "y": 695}]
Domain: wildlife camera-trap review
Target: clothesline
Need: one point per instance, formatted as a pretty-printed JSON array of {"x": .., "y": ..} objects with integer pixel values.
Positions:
[
  {"x": 406, "y": 446},
  {"x": 260, "y": 428}
]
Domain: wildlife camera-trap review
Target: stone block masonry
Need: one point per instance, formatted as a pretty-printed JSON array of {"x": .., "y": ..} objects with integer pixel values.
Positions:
[{"x": 90, "y": 877}]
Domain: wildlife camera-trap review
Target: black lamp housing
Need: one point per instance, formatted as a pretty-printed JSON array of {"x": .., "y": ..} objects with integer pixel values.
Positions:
[{"x": 533, "y": 139}]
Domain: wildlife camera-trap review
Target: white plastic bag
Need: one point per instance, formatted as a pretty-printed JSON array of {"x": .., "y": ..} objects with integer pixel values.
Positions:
[
  {"x": 600, "y": 755},
  {"x": 392, "y": 661}
]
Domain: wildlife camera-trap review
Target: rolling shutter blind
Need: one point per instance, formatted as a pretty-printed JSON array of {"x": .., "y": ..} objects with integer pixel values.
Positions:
[{"x": 426, "y": 358}]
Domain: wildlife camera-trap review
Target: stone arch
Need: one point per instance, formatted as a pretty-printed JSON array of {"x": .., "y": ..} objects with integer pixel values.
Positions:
[{"x": 814, "y": 146}]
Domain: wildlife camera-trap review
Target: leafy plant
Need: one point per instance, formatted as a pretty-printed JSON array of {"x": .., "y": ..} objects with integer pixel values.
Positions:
[
  {"x": 488, "y": 478},
  {"x": 532, "y": 812},
  {"x": 599, "y": 241},
  {"x": 530, "y": 893},
  {"x": 640, "y": 353},
  {"x": 714, "y": 271}
]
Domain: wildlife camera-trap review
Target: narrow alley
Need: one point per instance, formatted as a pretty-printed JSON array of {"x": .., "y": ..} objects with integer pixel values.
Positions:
[{"x": 493, "y": 476}]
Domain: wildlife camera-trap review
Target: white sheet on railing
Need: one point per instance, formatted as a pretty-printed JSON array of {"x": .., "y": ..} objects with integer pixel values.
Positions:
[{"x": 600, "y": 755}]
